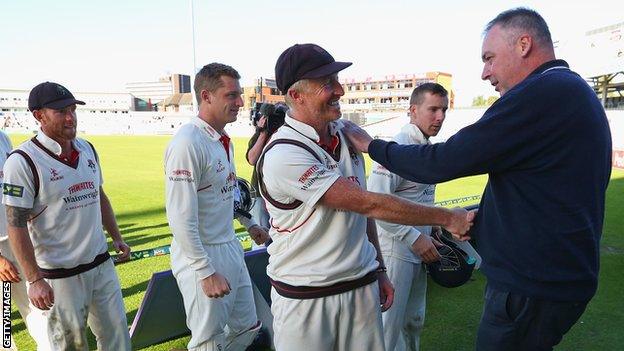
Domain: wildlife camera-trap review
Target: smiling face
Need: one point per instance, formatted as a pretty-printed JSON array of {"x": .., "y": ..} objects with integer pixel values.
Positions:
[
  {"x": 320, "y": 98},
  {"x": 223, "y": 104},
  {"x": 60, "y": 125},
  {"x": 502, "y": 59},
  {"x": 429, "y": 115}
]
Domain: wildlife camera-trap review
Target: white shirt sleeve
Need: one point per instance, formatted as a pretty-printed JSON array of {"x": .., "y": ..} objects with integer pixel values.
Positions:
[
  {"x": 293, "y": 173},
  {"x": 182, "y": 176},
  {"x": 18, "y": 185},
  {"x": 383, "y": 181},
  {"x": 7, "y": 146}
]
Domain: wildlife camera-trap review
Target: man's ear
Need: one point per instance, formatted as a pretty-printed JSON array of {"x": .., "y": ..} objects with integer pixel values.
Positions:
[
  {"x": 38, "y": 114},
  {"x": 205, "y": 95},
  {"x": 525, "y": 45},
  {"x": 294, "y": 95}
]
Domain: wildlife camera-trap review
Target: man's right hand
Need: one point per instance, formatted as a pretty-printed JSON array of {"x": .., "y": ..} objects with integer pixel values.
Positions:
[
  {"x": 459, "y": 223},
  {"x": 8, "y": 271},
  {"x": 357, "y": 136},
  {"x": 41, "y": 294},
  {"x": 215, "y": 286},
  {"x": 425, "y": 249}
]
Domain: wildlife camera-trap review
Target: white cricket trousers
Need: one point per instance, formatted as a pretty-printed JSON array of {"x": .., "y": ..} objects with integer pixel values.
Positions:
[
  {"x": 94, "y": 298},
  {"x": 404, "y": 321},
  {"x": 34, "y": 318},
  {"x": 215, "y": 321},
  {"x": 350, "y": 321}
]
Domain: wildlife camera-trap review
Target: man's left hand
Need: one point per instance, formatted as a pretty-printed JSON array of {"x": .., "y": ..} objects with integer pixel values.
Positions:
[
  {"x": 386, "y": 291},
  {"x": 121, "y": 246},
  {"x": 357, "y": 136},
  {"x": 258, "y": 234}
]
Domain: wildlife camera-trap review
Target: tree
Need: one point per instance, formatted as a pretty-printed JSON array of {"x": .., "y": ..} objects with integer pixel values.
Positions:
[{"x": 481, "y": 101}]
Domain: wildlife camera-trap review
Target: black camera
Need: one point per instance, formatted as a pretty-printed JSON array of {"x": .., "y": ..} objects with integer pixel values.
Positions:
[{"x": 275, "y": 115}]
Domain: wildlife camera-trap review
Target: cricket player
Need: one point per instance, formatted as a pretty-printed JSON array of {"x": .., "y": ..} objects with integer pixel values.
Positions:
[
  {"x": 405, "y": 248},
  {"x": 328, "y": 276},
  {"x": 56, "y": 208},
  {"x": 201, "y": 188},
  {"x": 10, "y": 271}
]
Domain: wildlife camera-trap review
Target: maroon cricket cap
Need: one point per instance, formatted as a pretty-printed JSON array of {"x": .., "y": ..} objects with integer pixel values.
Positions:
[
  {"x": 304, "y": 61},
  {"x": 51, "y": 95}
]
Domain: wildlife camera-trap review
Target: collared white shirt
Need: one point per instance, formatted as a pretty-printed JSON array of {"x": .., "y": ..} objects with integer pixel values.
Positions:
[
  {"x": 66, "y": 223},
  {"x": 396, "y": 239},
  {"x": 200, "y": 185},
  {"x": 313, "y": 245},
  {"x": 5, "y": 149}
]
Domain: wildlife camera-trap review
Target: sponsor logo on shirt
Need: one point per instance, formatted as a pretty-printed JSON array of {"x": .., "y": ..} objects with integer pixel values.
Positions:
[
  {"x": 181, "y": 175},
  {"x": 312, "y": 178},
  {"x": 77, "y": 198},
  {"x": 181, "y": 172},
  {"x": 220, "y": 167},
  {"x": 230, "y": 184},
  {"x": 382, "y": 172},
  {"x": 12, "y": 190},
  {"x": 54, "y": 175},
  {"x": 81, "y": 186},
  {"x": 308, "y": 173}
]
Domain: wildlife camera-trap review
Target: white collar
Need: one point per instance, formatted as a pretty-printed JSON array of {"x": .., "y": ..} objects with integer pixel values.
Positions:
[
  {"x": 310, "y": 132},
  {"x": 415, "y": 134},
  {"x": 203, "y": 125},
  {"x": 50, "y": 143}
]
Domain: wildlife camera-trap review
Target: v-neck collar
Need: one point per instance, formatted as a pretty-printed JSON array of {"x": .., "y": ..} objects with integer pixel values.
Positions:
[{"x": 54, "y": 150}]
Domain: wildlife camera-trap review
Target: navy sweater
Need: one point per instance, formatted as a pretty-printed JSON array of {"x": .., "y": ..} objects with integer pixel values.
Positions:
[{"x": 546, "y": 146}]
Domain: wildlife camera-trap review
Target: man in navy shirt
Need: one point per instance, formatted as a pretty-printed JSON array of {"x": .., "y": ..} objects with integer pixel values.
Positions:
[{"x": 546, "y": 147}]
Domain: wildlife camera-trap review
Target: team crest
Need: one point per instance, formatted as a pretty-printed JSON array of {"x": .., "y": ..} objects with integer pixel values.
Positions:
[
  {"x": 54, "y": 175},
  {"x": 91, "y": 164}
]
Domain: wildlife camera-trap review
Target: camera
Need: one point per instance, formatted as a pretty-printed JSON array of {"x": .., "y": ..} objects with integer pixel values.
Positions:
[{"x": 275, "y": 115}]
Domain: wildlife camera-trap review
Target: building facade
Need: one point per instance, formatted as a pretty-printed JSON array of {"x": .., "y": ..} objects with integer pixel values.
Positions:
[
  {"x": 149, "y": 94},
  {"x": 390, "y": 92}
]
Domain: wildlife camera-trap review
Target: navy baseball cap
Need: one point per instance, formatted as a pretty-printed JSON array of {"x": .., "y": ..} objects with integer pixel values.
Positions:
[
  {"x": 51, "y": 95},
  {"x": 305, "y": 61}
]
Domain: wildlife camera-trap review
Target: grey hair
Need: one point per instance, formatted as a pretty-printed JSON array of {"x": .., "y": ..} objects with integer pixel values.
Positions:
[
  {"x": 299, "y": 86},
  {"x": 523, "y": 19}
]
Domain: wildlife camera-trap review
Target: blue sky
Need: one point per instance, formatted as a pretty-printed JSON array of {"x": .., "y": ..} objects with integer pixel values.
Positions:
[{"x": 101, "y": 45}]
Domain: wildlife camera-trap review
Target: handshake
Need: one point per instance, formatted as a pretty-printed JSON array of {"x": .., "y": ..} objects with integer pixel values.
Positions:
[{"x": 459, "y": 221}]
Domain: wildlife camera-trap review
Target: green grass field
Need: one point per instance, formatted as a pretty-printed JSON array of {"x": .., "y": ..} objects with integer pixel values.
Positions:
[{"x": 133, "y": 180}]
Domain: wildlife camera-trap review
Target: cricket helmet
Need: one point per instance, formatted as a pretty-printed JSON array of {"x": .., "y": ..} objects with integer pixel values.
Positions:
[{"x": 454, "y": 267}]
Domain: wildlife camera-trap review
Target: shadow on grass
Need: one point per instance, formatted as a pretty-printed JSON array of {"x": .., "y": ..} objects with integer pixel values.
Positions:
[
  {"x": 137, "y": 240},
  {"x": 17, "y": 327},
  {"x": 129, "y": 230},
  {"x": 135, "y": 289},
  {"x": 140, "y": 213}
]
